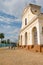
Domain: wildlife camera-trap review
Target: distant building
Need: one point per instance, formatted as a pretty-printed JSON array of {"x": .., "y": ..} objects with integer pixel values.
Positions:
[{"x": 31, "y": 34}]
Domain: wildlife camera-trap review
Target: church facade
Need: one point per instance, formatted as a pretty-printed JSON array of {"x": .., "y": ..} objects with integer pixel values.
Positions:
[{"x": 31, "y": 33}]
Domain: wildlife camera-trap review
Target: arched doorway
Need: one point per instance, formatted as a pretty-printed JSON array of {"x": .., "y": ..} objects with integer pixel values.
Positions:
[
  {"x": 34, "y": 36},
  {"x": 26, "y": 38}
]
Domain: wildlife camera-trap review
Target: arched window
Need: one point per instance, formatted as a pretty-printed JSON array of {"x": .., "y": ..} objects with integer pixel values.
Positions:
[
  {"x": 26, "y": 38},
  {"x": 25, "y": 21},
  {"x": 34, "y": 33}
]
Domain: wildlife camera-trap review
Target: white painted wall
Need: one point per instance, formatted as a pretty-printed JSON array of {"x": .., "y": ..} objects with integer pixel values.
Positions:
[
  {"x": 32, "y": 21},
  {"x": 29, "y": 33},
  {"x": 40, "y": 30},
  {"x": 29, "y": 17}
]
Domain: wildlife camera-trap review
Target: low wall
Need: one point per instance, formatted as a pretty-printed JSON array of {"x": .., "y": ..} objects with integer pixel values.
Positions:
[{"x": 36, "y": 48}]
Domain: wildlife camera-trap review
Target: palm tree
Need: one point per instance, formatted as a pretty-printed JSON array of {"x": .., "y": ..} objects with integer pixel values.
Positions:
[{"x": 1, "y": 36}]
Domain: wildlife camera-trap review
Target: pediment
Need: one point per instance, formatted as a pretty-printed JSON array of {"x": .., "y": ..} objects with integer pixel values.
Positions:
[{"x": 35, "y": 9}]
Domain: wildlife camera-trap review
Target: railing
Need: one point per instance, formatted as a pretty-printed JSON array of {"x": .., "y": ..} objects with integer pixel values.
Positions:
[{"x": 7, "y": 45}]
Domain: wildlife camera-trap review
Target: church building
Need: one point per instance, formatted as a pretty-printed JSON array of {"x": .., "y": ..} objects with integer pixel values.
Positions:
[{"x": 31, "y": 33}]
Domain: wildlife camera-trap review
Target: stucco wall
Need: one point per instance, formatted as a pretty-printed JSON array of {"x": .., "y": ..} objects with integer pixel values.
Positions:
[
  {"x": 29, "y": 33},
  {"x": 31, "y": 13},
  {"x": 40, "y": 31},
  {"x": 29, "y": 17}
]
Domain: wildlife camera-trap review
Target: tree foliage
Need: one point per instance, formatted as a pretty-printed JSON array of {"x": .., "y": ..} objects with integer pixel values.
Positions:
[{"x": 1, "y": 36}]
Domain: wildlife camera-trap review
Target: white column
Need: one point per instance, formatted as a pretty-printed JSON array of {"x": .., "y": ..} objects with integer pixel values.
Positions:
[
  {"x": 31, "y": 37},
  {"x": 38, "y": 33}
]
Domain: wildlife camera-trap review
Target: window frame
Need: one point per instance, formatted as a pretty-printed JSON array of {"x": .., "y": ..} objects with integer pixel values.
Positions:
[{"x": 25, "y": 21}]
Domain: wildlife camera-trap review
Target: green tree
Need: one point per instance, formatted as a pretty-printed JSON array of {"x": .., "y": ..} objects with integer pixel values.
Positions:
[
  {"x": 1, "y": 36},
  {"x": 3, "y": 41}
]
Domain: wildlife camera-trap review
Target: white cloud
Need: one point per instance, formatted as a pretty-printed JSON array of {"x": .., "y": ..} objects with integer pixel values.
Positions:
[
  {"x": 13, "y": 34},
  {"x": 9, "y": 20},
  {"x": 13, "y": 7},
  {"x": 39, "y": 2}
]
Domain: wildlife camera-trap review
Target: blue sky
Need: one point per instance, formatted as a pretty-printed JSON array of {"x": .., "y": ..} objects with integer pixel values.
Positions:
[{"x": 10, "y": 16}]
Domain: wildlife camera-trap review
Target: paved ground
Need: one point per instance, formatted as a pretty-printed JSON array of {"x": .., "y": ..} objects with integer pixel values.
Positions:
[{"x": 20, "y": 57}]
